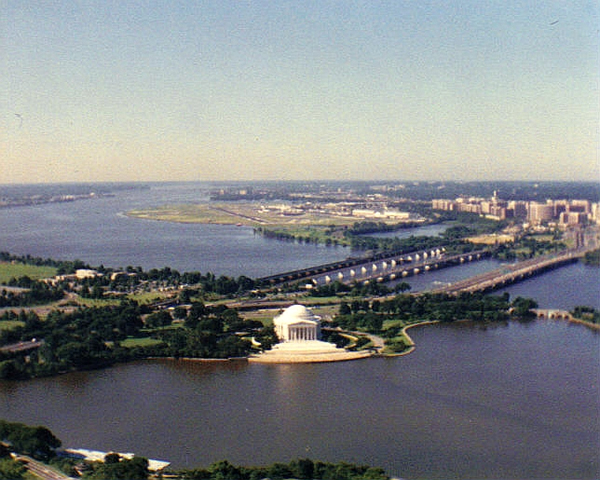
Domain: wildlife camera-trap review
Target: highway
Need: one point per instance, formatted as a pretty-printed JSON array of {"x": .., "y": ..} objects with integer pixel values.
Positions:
[
  {"x": 22, "y": 346},
  {"x": 512, "y": 273},
  {"x": 40, "y": 469}
]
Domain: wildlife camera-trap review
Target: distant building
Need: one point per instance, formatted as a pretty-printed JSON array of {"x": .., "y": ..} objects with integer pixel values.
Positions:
[
  {"x": 385, "y": 213},
  {"x": 595, "y": 215},
  {"x": 573, "y": 218},
  {"x": 86, "y": 273},
  {"x": 540, "y": 212},
  {"x": 442, "y": 204},
  {"x": 517, "y": 209}
]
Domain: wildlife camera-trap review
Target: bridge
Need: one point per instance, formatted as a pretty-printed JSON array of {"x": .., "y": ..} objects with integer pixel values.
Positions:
[
  {"x": 381, "y": 267},
  {"x": 398, "y": 268},
  {"x": 552, "y": 314},
  {"x": 309, "y": 272},
  {"x": 509, "y": 274}
]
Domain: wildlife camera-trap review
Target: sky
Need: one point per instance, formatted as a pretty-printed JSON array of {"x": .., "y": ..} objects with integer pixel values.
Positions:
[{"x": 117, "y": 90}]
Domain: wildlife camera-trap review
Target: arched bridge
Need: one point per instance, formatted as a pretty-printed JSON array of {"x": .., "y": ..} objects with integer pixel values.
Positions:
[
  {"x": 552, "y": 314},
  {"x": 381, "y": 267}
]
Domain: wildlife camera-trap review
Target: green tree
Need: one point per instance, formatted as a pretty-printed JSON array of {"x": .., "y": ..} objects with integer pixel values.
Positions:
[
  {"x": 162, "y": 318},
  {"x": 36, "y": 441},
  {"x": 119, "y": 469},
  {"x": 11, "y": 470},
  {"x": 522, "y": 307},
  {"x": 344, "y": 309},
  {"x": 224, "y": 470}
]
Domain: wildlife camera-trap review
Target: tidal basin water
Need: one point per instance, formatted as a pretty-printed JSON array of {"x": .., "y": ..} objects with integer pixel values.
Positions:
[{"x": 510, "y": 401}]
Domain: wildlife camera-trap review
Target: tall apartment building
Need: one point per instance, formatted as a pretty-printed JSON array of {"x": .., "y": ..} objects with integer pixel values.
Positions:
[{"x": 540, "y": 212}]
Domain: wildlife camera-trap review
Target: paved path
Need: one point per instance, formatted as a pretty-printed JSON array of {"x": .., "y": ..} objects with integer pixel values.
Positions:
[{"x": 41, "y": 470}]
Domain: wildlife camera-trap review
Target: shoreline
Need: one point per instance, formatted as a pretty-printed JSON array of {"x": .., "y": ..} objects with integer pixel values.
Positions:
[
  {"x": 412, "y": 346},
  {"x": 579, "y": 321}
]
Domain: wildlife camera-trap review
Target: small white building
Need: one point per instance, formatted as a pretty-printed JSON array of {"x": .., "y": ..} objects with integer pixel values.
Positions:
[
  {"x": 297, "y": 324},
  {"x": 82, "y": 273}
]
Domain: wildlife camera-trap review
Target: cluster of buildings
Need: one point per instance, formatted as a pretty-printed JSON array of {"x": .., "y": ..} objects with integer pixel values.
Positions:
[
  {"x": 565, "y": 213},
  {"x": 341, "y": 209}
]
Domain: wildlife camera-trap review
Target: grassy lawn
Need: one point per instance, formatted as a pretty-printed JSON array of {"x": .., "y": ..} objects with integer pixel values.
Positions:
[
  {"x": 141, "y": 298},
  {"x": 393, "y": 323},
  {"x": 10, "y": 324},
  {"x": 140, "y": 342},
  {"x": 264, "y": 316},
  {"x": 148, "y": 297},
  {"x": 9, "y": 270},
  {"x": 97, "y": 302}
]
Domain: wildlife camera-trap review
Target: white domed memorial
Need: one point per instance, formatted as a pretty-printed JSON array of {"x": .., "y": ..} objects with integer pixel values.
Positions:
[
  {"x": 299, "y": 332},
  {"x": 297, "y": 324}
]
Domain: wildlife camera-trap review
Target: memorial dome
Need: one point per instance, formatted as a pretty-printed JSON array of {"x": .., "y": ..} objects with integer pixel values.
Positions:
[
  {"x": 297, "y": 323},
  {"x": 296, "y": 313}
]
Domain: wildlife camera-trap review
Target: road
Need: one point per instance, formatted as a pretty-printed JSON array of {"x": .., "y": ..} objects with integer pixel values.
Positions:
[
  {"x": 40, "y": 469},
  {"x": 22, "y": 346}
]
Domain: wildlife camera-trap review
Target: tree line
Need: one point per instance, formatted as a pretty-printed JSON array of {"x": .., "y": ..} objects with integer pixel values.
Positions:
[
  {"x": 302, "y": 469},
  {"x": 40, "y": 443},
  {"x": 93, "y": 337},
  {"x": 404, "y": 309},
  {"x": 34, "y": 293}
]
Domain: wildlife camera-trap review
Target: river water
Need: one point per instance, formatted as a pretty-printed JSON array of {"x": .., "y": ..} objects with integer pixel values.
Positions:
[
  {"x": 97, "y": 232},
  {"x": 511, "y": 401}
]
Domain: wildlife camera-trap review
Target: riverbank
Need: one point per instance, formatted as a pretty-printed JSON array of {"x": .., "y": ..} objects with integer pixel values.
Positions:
[{"x": 407, "y": 339}]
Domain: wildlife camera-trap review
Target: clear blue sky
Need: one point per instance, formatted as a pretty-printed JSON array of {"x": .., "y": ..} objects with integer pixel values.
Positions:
[{"x": 249, "y": 89}]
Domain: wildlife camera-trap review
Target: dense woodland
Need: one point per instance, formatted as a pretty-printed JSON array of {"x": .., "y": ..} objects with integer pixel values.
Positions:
[
  {"x": 39, "y": 442},
  {"x": 95, "y": 337}
]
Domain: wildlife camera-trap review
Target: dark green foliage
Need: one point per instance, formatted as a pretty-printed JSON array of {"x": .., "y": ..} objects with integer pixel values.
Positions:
[
  {"x": 266, "y": 337},
  {"x": 330, "y": 290},
  {"x": 117, "y": 468},
  {"x": 78, "y": 340},
  {"x": 396, "y": 245},
  {"x": 592, "y": 258},
  {"x": 11, "y": 469},
  {"x": 302, "y": 469},
  {"x": 344, "y": 309},
  {"x": 369, "y": 317},
  {"x": 521, "y": 307},
  {"x": 37, "y": 293},
  {"x": 162, "y": 318},
  {"x": 38, "y": 442},
  {"x": 588, "y": 314}
]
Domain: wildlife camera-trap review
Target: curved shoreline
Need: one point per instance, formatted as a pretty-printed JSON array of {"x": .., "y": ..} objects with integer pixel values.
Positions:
[{"x": 411, "y": 343}]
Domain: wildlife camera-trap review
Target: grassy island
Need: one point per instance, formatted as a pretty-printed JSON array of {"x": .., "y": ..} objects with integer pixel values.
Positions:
[{"x": 282, "y": 221}]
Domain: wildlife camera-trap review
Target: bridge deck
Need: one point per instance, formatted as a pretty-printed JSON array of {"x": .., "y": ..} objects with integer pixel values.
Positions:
[
  {"x": 511, "y": 273},
  {"x": 373, "y": 267}
]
